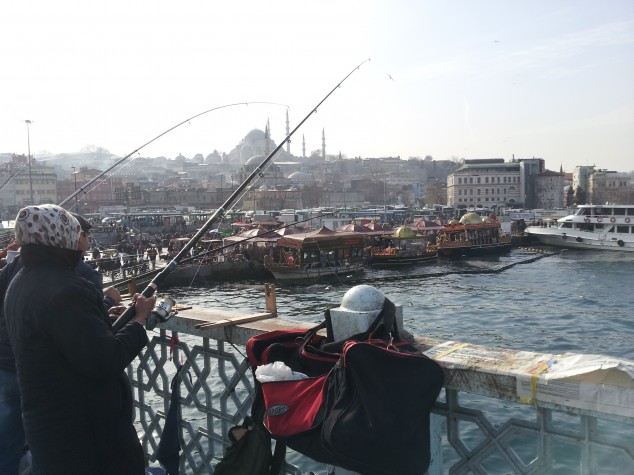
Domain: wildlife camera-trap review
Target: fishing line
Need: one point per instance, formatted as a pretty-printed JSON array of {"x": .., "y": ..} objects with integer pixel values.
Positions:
[
  {"x": 128, "y": 315},
  {"x": 90, "y": 182}
]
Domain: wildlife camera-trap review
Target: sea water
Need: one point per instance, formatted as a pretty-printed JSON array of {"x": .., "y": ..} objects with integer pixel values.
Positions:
[
  {"x": 567, "y": 301},
  {"x": 553, "y": 302}
]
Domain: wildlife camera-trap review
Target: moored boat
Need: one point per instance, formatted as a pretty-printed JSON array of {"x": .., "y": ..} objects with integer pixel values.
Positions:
[
  {"x": 607, "y": 227},
  {"x": 404, "y": 246},
  {"x": 472, "y": 235},
  {"x": 317, "y": 254}
]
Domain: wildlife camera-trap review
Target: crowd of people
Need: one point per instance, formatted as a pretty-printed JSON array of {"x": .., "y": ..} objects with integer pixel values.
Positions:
[{"x": 63, "y": 391}]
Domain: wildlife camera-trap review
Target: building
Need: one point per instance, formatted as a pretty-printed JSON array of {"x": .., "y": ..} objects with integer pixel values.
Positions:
[
  {"x": 550, "y": 190},
  {"x": 493, "y": 183},
  {"x": 609, "y": 186},
  {"x": 486, "y": 183}
]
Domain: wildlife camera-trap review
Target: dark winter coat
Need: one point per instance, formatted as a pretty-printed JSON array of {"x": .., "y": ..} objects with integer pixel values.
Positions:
[{"x": 76, "y": 402}]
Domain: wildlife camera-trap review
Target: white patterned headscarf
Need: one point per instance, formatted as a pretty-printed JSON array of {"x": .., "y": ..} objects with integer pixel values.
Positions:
[{"x": 48, "y": 225}]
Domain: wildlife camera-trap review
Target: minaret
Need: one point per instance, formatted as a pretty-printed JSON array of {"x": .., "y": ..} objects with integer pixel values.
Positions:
[
  {"x": 267, "y": 136},
  {"x": 288, "y": 131},
  {"x": 323, "y": 144},
  {"x": 303, "y": 146}
]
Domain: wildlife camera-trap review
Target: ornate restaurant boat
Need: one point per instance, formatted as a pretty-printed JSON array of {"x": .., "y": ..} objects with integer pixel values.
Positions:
[
  {"x": 472, "y": 235},
  {"x": 317, "y": 254},
  {"x": 403, "y": 246},
  {"x": 606, "y": 227}
]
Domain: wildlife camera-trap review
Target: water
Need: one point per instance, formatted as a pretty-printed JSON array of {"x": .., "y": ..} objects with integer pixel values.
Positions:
[
  {"x": 571, "y": 301},
  {"x": 568, "y": 301}
]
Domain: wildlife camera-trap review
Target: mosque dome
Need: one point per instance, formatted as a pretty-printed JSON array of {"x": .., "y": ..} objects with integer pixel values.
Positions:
[
  {"x": 263, "y": 188},
  {"x": 255, "y": 160},
  {"x": 254, "y": 136},
  {"x": 301, "y": 177}
]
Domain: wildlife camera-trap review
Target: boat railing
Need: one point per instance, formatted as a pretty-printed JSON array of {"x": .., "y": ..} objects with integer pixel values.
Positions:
[{"x": 498, "y": 412}]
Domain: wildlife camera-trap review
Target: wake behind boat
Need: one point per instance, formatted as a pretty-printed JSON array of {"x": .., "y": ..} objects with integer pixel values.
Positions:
[{"x": 605, "y": 227}]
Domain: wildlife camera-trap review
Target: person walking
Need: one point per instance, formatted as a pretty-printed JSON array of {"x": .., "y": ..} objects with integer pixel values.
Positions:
[
  {"x": 152, "y": 253},
  {"x": 76, "y": 398}
]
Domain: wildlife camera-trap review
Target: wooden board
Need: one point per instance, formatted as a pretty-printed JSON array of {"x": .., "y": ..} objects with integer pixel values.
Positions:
[{"x": 235, "y": 320}]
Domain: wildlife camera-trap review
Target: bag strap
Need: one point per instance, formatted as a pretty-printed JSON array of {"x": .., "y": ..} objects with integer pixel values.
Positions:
[{"x": 279, "y": 456}]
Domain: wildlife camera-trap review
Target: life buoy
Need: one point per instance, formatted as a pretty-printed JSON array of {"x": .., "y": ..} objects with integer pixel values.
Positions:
[
  {"x": 613, "y": 219},
  {"x": 290, "y": 260},
  {"x": 620, "y": 243},
  {"x": 578, "y": 239},
  {"x": 587, "y": 220},
  {"x": 599, "y": 219},
  {"x": 627, "y": 220}
]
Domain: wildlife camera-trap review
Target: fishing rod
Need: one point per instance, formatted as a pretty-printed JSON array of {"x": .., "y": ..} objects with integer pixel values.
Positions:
[
  {"x": 82, "y": 189},
  {"x": 129, "y": 314},
  {"x": 185, "y": 260}
]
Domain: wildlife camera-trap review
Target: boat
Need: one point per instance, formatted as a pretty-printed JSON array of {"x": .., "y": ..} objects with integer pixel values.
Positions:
[
  {"x": 472, "y": 235},
  {"x": 607, "y": 227},
  {"x": 404, "y": 246},
  {"x": 316, "y": 254}
]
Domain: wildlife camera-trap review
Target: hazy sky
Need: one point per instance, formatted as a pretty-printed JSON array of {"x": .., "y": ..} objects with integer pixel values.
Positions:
[{"x": 467, "y": 79}]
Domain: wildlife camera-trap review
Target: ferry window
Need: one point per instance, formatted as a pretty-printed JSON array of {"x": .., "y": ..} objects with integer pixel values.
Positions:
[
  {"x": 618, "y": 211},
  {"x": 598, "y": 226},
  {"x": 623, "y": 229},
  {"x": 567, "y": 225},
  {"x": 599, "y": 211}
]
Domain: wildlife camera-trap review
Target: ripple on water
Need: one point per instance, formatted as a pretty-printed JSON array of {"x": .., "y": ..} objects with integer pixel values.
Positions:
[{"x": 572, "y": 300}]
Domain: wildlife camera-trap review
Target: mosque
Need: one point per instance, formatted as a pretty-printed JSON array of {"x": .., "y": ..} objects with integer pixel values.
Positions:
[{"x": 258, "y": 142}]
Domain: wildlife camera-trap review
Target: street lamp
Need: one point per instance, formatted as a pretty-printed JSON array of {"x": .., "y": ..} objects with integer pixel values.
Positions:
[
  {"x": 28, "y": 143},
  {"x": 76, "y": 203}
]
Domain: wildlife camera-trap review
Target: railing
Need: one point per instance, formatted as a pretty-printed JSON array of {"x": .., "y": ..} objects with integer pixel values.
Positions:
[{"x": 499, "y": 412}]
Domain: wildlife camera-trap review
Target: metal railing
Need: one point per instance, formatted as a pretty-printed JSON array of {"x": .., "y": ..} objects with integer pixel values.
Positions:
[{"x": 481, "y": 424}]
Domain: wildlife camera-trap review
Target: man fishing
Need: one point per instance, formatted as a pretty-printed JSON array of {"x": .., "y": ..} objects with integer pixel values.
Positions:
[{"x": 76, "y": 403}]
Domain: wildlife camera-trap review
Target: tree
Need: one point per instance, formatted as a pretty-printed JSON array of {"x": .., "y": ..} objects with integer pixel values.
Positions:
[
  {"x": 570, "y": 197},
  {"x": 435, "y": 193},
  {"x": 580, "y": 196},
  {"x": 311, "y": 194}
]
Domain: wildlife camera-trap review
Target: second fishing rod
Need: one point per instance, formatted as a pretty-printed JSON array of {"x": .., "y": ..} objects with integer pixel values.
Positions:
[{"x": 128, "y": 315}]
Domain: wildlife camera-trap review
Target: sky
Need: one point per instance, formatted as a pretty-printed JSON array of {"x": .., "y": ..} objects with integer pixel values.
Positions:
[{"x": 446, "y": 79}]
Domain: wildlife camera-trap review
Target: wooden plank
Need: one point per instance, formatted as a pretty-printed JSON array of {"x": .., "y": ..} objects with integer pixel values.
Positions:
[{"x": 235, "y": 321}]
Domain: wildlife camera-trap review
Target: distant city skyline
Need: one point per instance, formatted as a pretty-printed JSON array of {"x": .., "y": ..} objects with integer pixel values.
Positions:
[{"x": 459, "y": 79}]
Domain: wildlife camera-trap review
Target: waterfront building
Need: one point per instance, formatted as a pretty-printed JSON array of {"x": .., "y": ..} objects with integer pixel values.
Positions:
[
  {"x": 486, "y": 183},
  {"x": 494, "y": 183},
  {"x": 610, "y": 186},
  {"x": 19, "y": 184}
]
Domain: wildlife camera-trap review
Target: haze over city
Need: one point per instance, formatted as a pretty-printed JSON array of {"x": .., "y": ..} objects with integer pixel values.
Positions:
[{"x": 449, "y": 80}]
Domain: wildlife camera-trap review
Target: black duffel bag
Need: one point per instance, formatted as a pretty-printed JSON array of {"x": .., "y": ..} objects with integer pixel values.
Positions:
[{"x": 368, "y": 413}]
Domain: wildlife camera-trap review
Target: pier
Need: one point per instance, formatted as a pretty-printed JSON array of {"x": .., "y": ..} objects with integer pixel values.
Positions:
[{"x": 502, "y": 411}]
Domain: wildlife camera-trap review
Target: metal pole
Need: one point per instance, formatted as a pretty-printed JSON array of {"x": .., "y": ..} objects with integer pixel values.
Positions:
[
  {"x": 76, "y": 204},
  {"x": 28, "y": 143}
]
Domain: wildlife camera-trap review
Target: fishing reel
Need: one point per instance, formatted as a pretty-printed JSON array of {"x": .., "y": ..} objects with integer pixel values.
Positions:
[{"x": 162, "y": 312}]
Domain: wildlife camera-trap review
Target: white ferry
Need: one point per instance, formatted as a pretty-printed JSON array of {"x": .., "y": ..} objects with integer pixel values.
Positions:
[{"x": 605, "y": 227}]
